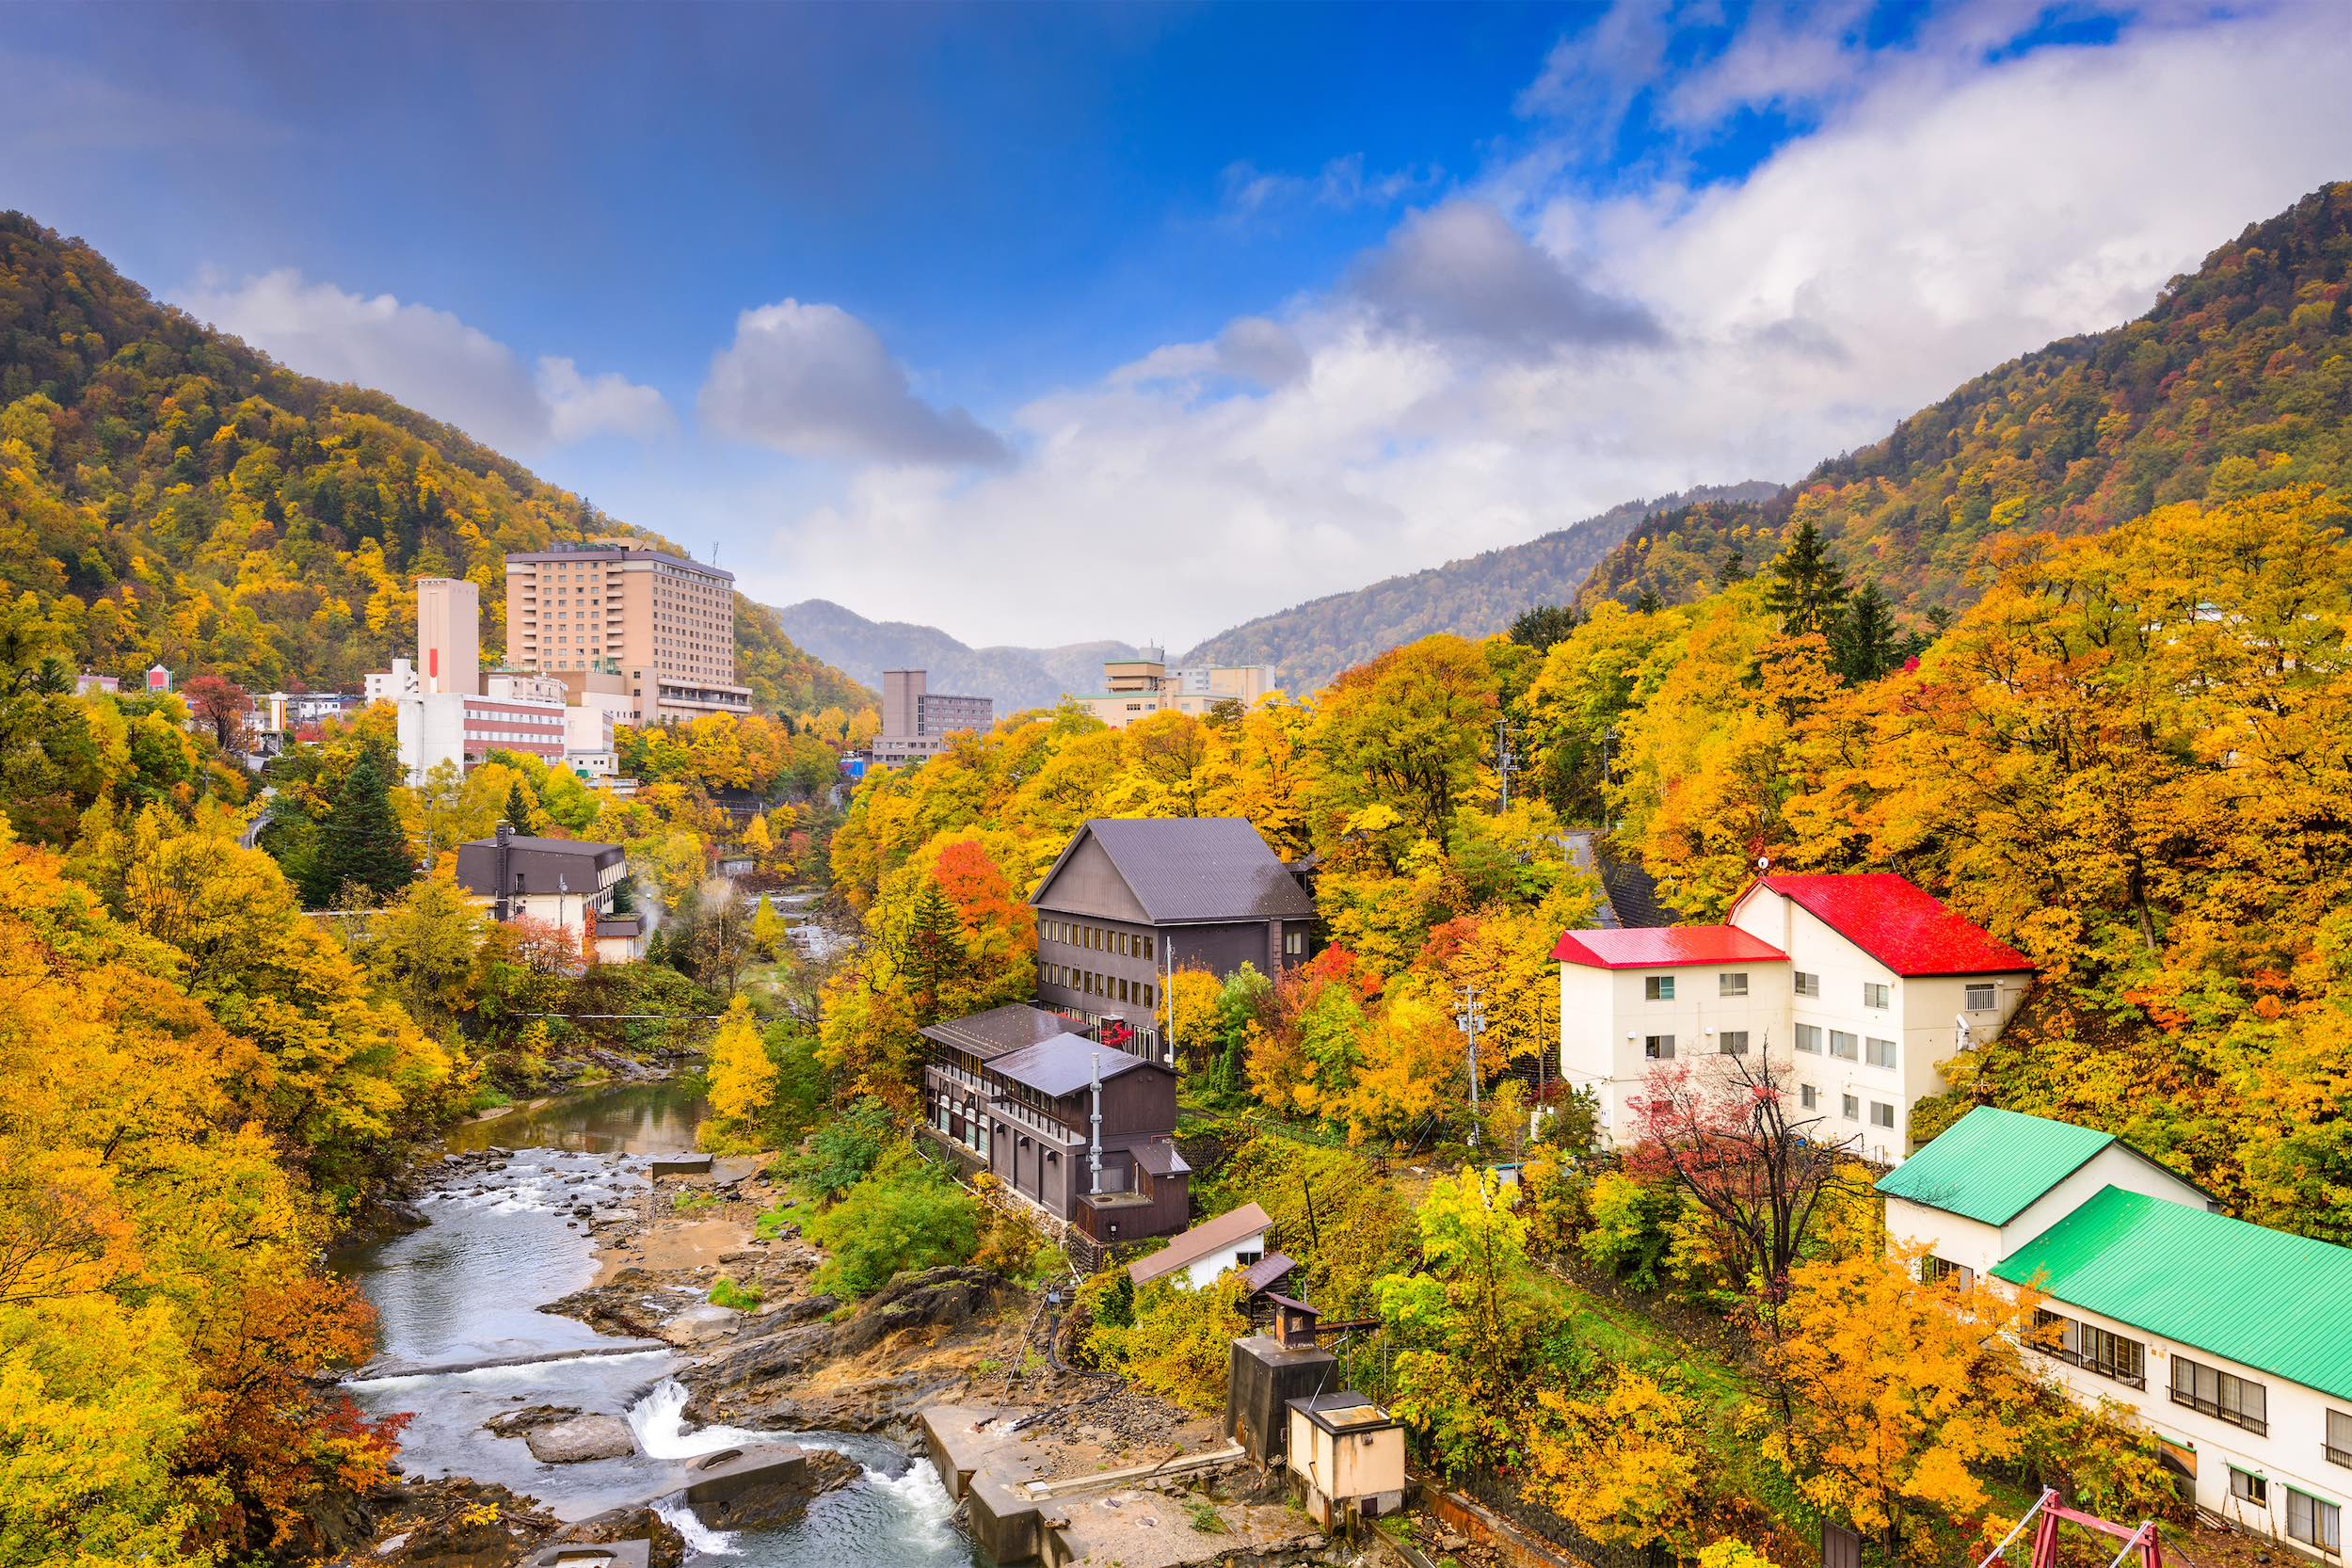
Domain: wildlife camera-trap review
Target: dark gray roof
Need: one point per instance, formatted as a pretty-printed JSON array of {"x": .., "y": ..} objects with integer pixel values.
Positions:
[
  {"x": 1193, "y": 870},
  {"x": 1063, "y": 1064},
  {"x": 1160, "y": 1158},
  {"x": 542, "y": 865},
  {"x": 992, "y": 1034},
  {"x": 1267, "y": 1271},
  {"x": 1628, "y": 894}
]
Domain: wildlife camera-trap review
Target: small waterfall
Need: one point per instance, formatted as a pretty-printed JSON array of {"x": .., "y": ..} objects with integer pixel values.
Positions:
[
  {"x": 659, "y": 1419},
  {"x": 701, "y": 1540}
]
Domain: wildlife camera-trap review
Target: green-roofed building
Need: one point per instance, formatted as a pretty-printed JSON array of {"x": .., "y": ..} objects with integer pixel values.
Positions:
[{"x": 2232, "y": 1342}]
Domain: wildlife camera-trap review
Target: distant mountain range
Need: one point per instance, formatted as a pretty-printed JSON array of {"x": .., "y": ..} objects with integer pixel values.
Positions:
[
  {"x": 1017, "y": 678},
  {"x": 1476, "y": 596}
]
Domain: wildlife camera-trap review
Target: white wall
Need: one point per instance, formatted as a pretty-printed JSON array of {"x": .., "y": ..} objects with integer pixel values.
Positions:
[
  {"x": 1204, "y": 1271},
  {"x": 1607, "y": 1017}
]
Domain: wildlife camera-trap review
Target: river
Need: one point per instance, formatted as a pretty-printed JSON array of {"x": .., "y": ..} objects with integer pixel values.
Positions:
[{"x": 467, "y": 1288}]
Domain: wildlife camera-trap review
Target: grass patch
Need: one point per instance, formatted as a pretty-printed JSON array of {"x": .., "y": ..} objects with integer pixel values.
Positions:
[
  {"x": 739, "y": 1297},
  {"x": 1203, "y": 1515},
  {"x": 694, "y": 1201},
  {"x": 770, "y": 1222}
]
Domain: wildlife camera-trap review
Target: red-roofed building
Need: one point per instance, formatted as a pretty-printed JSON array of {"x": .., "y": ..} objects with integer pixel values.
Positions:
[{"x": 1860, "y": 986}]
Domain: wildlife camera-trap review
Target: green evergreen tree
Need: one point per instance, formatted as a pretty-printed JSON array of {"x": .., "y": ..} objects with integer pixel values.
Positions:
[
  {"x": 361, "y": 844},
  {"x": 1539, "y": 626},
  {"x": 1647, "y": 601},
  {"x": 1733, "y": 569},
  {"x": 517, "y": 806},
  {"x": 931, "y": 950},
  {"x": 1866, "y": 643},
  {"x": 1807, "y": 588}
]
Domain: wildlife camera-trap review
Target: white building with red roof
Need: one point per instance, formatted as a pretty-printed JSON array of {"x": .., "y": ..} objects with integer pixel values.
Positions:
[{"x": 1861, "y": 986}]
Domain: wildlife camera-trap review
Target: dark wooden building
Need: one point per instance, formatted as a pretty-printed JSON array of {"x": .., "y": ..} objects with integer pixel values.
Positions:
[
  {"x": 1021, "y": 1093},
  {"x": 1131, "y": 900}
]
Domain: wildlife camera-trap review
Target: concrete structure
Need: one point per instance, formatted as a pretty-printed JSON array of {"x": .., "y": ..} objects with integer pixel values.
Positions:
[
  {"x": 917, "y": 721},
  {"x": 435, "y": 727},
  {"x": 585, "y": 1554},
  {"x": 663, "y": 624},
  {"x": 2229, "y": 1341},
  {"x": 567, "y": 883},
  {"x": 1861, "y": 987},
  {"x": 158, "y": 680},
  {"x": 1261, "y": 1380},
  {"x": 90, "y": 681},
  {"x": 1348, "y": 1457},
  {"x": 449, "y": 635},
  {"x": 1136, "y": 688},
  {"x": 1234, "y": 1239},
  {"x": 1084, "y": 1130},
  {"x": 1131, "y": 900}
]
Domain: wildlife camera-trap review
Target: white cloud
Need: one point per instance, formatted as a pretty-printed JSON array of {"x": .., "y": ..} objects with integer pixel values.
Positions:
[
  {"x": 1950, "y": 211},
  {"x": 1343, "y": 183},
  {"x": 816, "y": 382},
  {"x": 428, "y": 359}
]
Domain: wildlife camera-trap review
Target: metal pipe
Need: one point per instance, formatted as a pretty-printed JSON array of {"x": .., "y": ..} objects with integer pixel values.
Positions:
[
  {"x": 2023, "y": 1520},
  {"x": 1094, "y": 1133}
]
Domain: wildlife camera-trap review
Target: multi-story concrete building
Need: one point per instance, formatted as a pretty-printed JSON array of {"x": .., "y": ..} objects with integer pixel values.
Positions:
[
  {"x": 2228, "y": 1341},
  {"x": 449, "y": 635},
  {"x": 917, "y": 721},
  {"x": 665, "y": 624},
  {"x": 570, "y": 884},
  {"x": 1136, "y": 688},
  {"x": 1130, "y": 901},
  {"x": 1860, "y": 986}
]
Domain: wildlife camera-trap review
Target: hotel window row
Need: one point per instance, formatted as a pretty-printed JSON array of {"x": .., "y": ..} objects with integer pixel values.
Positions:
[
  {"x": 1109, "y": 986},
  {"x": 1098, "y": 939}
]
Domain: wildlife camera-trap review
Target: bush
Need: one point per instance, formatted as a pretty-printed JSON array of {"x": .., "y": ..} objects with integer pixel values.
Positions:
[
  {"x": 904, "y": 1215},
  {"x": 838, "y": 1154},
  {"x": 740, "y": 1298},
  {"x": 1166, "y": 1339},
  {"x": 1632, "y": 1228}
]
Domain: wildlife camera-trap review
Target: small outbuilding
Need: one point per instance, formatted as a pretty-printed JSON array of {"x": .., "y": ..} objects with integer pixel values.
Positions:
[{"x": 1348, "y": 1456}]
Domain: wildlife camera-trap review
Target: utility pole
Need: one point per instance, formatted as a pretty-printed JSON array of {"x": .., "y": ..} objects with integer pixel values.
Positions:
[
  {"x": 1505, "y": 759},
  {"x": 1471, "y": 1023}
]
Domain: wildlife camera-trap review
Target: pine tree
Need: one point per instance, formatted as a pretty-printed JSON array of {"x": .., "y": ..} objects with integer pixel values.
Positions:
[
  {"x": 1734, "y": 569},
  {"x": 1807, "y": 587},
  {"x": 517, "y": 806},
  {"x": 1866, "y": 643},
  {"x": 1647, "y": 602},
  {"x": 930, "y": 949},
  {"x": 361, "y": 843},
  {"x": 1539, "y": 626}
]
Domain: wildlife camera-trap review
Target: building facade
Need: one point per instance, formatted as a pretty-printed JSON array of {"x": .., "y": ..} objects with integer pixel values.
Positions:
[
  {"x": 1084, "y": 1130},
  {"x": 917, "y": 721},
  {"x": 449, "y": 635},
  {"x": 665, "y": 624},
  {"x": 1860, "y": 986},
  {"x": 573, "y": 884},
  {"x": 1136, "y": 688},
  {"x": 1130, "y": 901},
  {"x": 2228, "y": 1341}
]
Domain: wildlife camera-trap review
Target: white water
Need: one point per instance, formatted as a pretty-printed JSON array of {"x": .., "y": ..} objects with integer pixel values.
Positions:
[
  {"x": 658, "y": 1420},
  {"x": 701, "y": 1540}
]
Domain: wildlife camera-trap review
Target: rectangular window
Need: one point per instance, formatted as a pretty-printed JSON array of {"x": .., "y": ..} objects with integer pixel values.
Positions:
[
  {"x": 1809, "y": 1096},
  {"x": 1808, "y": 984},
  {"x": 2314, "y": 1523},
  {"x": 1873, "y": 994},
  {"x": 1734, "y": 1042},
  {"x": 2338, "y": 1447},
  {"x": 2249, "y": 1489},
  {"x": 1878, "y": 1053},
  {"x": 2240, "y": 1401},
  {"x": 1731, "y": 985},
  {"x": 1809, "y": 1038},
  {"x": 1851, "y": 1107},
  {"x": 1294, "y": 944},
  {"x": 1934, "y": 1271},
  {"x": 1151, "y": 947},
  {"x": 1658, "y": 987},
  {"x": 1881, "y": 1114},
  {"x": 2111, "y": 1355},
  {"x": 1842, "y": 1044},
  {"x": 1144, "y": 994},
  {"x": 1658, "y": 1048},
  {"x": 1978, "y": 997}
]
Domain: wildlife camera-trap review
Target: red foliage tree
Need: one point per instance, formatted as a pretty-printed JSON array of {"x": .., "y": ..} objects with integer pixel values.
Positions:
[{"x": 221, "y": 704}]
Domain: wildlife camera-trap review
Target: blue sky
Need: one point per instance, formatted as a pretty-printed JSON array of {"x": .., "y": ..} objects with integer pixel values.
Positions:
[{"x": 966, "y": 315}]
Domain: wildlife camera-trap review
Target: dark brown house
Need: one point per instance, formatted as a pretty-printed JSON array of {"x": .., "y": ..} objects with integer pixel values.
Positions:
[
  {"x": 1133, "y": 899},
  {"x": 1084, "y": 1130}
]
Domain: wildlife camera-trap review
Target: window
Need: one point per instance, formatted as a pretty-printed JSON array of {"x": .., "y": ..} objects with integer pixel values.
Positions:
[
  {"x": 1143, "y": 994},
  {"x": 1733, "y": 1042},
  {"x": 1809, "y": 1038},
  {"x": 1935, "y": 1271},
  {"x": 2339, "y": 1445},
  {"x": 1731, "y": 985},
  {"x": 1881, "y": 1114},
  {"x": 2314, "y": 1523},
  {"x": 1294, "y": 943},
  {"x": 1873, "y": 994},
  {"x": 2240, "y": 1401},
  {"x": 1842, "y": 1044},
  {"x": 1878, "y": 1053},
  {"x": 2248, "y": 1488},
  {"x": 1658, "y": 1048},
  {"x": 1118, "y": 943},
  {"x": 1978, "y": 997},
  {"x": 2111, "y": 1355},
  {"x": 1658, "y": 987},
  {"x": 1852, "y": 1108},
  {"x": 1809, "y": 1096},
  {"x": 1151, "y": 946},
  {"x": 1808, "y": 984}
]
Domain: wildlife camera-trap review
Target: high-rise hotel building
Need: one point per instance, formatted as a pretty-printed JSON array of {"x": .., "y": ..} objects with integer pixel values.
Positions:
[{"x": 664, "y": 625}]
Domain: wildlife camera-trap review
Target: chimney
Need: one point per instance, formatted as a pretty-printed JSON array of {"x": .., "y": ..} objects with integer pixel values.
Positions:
[{"x": 499, "y": 879}]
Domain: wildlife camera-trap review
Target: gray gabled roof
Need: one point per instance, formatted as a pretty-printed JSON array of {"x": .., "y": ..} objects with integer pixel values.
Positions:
[
  {"x": 1063, "y": 1064},
  {"x": 1210, "y": 1236},
  {"x": 1193, "y": 869},
  {"x": 1013, "y": 1027}
]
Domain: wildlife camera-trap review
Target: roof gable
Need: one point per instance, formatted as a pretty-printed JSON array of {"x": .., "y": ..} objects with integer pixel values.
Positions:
[
  {"x": 1897, "y": 922},
  {"x": 1189, "y": 870},
  {"x": 1210, "y": 1236},
  {"x": 1992, "y": 1164},
  {"x": 2259, "y": 1297},
  {"x": 1665, "y": 947},
  {"x": 1013, "y": 1027},
  {"x": 1066, "y": 1064}
]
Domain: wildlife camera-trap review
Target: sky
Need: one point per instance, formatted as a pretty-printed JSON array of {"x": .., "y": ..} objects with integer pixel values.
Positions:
[{"x": 1046, "y": 323}]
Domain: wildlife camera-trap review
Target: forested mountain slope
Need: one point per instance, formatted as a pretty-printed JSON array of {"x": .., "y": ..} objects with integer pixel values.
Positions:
[
  {"x": 1017, "y": 678},
  {"x": 2239, "y": 381},
  {"x": 1474, "y": 596},
  {"x": 169, "y": 494}
]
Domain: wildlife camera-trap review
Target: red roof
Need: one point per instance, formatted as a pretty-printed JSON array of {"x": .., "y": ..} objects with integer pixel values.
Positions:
[
  {"x": 1664, "y": 947},
  {"x": 1899, "y": 923}
]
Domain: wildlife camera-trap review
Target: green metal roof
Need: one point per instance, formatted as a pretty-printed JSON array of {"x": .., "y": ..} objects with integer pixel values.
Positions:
[
  {"x": 1990, "y": 1163},
  {"x": 2259, "y": 1297}
]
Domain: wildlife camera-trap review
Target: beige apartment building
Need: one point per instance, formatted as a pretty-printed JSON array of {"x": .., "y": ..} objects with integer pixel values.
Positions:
[
  {"x": 663, "y": 624},
  {"x": 1133, "y": 688},
  {"x": 449, "y": 629}
]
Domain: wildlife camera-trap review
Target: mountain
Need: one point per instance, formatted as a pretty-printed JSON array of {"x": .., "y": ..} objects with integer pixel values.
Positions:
[
  {"x": 2239, "y": 379},
  {"x": 1017, "y": 678},
  {"x": 169, "y": 495},
  {"x": 1476, "y": 596}
]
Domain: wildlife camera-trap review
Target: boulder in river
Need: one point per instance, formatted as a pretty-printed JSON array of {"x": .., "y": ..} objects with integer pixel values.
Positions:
[
  {"x": 580, "y": 1438},
  {"x": 764, "y": 1486}
]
